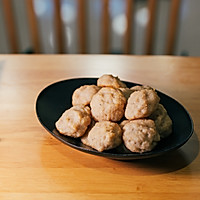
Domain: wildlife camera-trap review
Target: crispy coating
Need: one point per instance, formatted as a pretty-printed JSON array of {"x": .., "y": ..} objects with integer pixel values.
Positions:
[
  {"x": 108, "y": 105},
  {"x": 126, "y": 92},
  {"x": 162, "y": 121},
  {"x": 140, "y": 135},
  {"x": 123, "y": 123},
  {"x": 74, "y": 121},
  {"x": 103, "y": 136},
  {"x": 141, "y": 87},
  {"x": 84, "y": 94},
  {"x": 141, "y": 104},
  {"x": 108, "y": 80}
]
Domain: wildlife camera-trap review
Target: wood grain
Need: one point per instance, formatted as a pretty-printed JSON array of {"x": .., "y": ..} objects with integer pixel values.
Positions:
[{"x": 34, "y": 165}]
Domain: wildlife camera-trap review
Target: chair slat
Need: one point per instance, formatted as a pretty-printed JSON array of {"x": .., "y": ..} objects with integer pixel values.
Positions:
[
  {"x": 172, "y": 26},
  {"x": 33, "y": 25},
  {"x": 60, "y": 38},
  {"x": 129, "y": 33},
  {"x": 11, "y": 26},
  {"x": 82, "y": 25},
  {"x": 105, "y": 27},
  {"x": 150, "y": 26},
  {"x": 59, "y": 27}
]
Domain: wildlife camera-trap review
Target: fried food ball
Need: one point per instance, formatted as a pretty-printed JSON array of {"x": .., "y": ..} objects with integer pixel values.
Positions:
[
  {"x": 103, "y": 136},
  {"x": 108, "y": 80},
  {"x": 140, "y": 135},
  {"x": 108, "y": 105},
  {"x": 124, "y": 122},
  {"x": 74, "y": 121},
  {"x": 141, "y": 87},
  {"x": 141, "y": 104},
  {"x": 162, "y": 121},
  {"x": 84, "y": 94},
  {"x": 126, "y": 92}
]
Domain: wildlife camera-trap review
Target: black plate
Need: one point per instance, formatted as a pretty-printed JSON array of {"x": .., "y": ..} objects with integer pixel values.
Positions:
[{"x": 56, "y": 98}]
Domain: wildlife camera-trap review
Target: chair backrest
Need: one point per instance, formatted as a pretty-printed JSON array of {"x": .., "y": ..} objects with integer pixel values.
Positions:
[{"x": 82, "y": 26}]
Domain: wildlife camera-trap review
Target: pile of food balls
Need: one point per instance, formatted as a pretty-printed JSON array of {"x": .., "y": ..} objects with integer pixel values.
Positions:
[{"x": 109, "y": 114}]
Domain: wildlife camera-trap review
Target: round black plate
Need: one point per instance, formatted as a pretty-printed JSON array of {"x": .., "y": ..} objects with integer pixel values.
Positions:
[{"x": 56, "y": 98}]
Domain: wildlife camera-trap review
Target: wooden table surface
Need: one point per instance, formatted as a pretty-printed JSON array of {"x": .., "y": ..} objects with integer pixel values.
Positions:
[{"x": 34, "y": 165}]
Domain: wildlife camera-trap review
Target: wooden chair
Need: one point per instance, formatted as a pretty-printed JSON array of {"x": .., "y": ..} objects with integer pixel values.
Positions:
[{"x": 82, "y": 24}]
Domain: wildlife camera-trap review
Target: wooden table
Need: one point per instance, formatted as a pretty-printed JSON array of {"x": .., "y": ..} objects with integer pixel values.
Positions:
[{"x": 34, "y": 165}]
